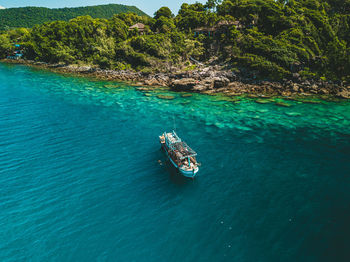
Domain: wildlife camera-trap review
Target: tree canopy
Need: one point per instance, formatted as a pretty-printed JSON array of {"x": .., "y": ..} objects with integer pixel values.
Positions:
[
  {"x": 266, "y": 38},
  {"x": 30, "y": 16},
  {"x": 163, "y": 11}
]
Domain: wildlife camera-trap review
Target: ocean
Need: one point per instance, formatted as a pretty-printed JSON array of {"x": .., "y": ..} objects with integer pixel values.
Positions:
[{"x": 83, "y": 178}]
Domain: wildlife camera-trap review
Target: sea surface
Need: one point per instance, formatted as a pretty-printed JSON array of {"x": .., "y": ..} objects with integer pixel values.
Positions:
[{"x": 82, "y": 176}]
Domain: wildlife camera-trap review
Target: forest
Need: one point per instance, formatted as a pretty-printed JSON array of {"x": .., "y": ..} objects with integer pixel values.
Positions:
[
  {"x": 268, "y": 39},
  {"x": 29, "y": 16}
]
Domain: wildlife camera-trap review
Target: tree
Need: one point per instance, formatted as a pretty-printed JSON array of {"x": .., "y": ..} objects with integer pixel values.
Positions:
[
  {"x": 164, "y": 25},
  {"x": 211, "y": 4},
  {"x": 5, "y": 45},
  {"x": 163, "y": 11}
]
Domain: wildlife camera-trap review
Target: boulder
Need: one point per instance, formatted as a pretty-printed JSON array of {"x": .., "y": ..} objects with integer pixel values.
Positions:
[
  {"x": 344, "y": 93},
  {"x": 295, "y": 87},
  {"x": 324, "y": 91},
  {"x": 200, "y": 88},
  {"x": 184, "y": 84},
  {"x": 314, "y": 87},
  {"x": 220, "y": 82},
  {"x": 152, "y": 82}
]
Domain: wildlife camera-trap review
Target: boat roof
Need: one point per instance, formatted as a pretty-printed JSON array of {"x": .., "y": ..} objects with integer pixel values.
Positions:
[
  {"x": 184, "y": 149},
  {"x": 176, "y": 144}
]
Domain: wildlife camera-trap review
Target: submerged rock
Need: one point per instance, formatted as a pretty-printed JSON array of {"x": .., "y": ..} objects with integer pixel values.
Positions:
[
  {"x": 166, "y": 97},
  {"x": 293, "y": 114},
  {"x": 144, "y": 89},
  {"x": 263, "y": 101},
  {"x": 265, "y": 96},
  {"x": 310, "y": 102},
  {"x": 283, "y": 104},
  {"x": 111, "y": 86},
  {"x": 186, "y": 95}
]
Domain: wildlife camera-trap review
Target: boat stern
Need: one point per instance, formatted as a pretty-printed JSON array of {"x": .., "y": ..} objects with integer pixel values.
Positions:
[{"x": 189, "y": 173}]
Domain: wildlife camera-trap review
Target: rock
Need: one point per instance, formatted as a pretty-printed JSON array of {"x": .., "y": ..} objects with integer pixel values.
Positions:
[
  {"x": 310, "y": 102},
  {"x": 295, "y": 87},
  {"x": 200, "y": 88},
  {"x": 110, "y": 86},
  {"x": 345, "y": 93},
  {"x": 220, "y": 82},
  {"x": 184, "y": 84},
  {"x": 166, "y": 97},
  {"x": 235, "y": 99},
  {"x": 283, "y": 104},
  {"x": 207, "y": 73},
  {"x": 263, "y": 101},
  {"x": 324, "y": 91},
  {"x": 314, "y": 87},
  {"x": 293, "y": 114},
  {"x": 286, "y": 93},
  {"x": 186, "y": 95},
  {"x": 265, "y": 96},
  {"x": 152, "y": 82},
  {"x": 144, "y": 89},
  {"x": 306, "y": 83}
]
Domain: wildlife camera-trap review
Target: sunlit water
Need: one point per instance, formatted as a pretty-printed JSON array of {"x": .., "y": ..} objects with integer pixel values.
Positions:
[{"x": 83, "y": 178}]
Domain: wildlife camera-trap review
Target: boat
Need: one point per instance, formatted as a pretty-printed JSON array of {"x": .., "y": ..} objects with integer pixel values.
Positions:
[{"x": 180, "y": 154}]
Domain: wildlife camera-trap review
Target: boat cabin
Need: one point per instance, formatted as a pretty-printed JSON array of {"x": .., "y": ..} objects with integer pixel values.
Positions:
[{"x": 181, "y": 152}]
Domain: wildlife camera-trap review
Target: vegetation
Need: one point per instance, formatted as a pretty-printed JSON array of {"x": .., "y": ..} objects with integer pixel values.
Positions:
[
  {"x": 265, "y": 39},
  {"x": 30, "y": 16}
]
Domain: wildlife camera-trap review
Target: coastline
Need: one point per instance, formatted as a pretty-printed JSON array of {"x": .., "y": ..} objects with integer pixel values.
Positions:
[{"x": 206, "y": 80}]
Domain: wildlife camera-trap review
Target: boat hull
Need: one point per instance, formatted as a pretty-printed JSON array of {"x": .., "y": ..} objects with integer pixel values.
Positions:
[{"x": 185, "y": 173}]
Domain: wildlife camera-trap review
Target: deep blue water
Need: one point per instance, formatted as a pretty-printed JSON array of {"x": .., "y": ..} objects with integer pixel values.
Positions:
[{"x": 81, "y": 180}]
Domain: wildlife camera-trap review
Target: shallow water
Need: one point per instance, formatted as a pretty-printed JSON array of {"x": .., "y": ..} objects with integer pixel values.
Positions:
[{"x": 81, "y": 179}]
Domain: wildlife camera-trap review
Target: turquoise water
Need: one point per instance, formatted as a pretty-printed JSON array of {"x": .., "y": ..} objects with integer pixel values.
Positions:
[{"x": 83, "y": 178}]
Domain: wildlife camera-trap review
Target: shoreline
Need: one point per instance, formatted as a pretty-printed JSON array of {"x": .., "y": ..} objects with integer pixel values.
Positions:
[{"x": 206, "y": 80}]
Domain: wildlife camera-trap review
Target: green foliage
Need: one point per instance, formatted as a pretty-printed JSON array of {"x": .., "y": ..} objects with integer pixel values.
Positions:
[
  {"x": 5, "y": 45},
  {"x": 310, "y": 36},
  {"x": 30, "y": 16},
  {"x": 164, "y": 25},
  {"x": 262, "y": 65},
  {"x": 272, "y": 39},
  {"x": 163, "y": 12},
  {"x": 194, "y": 16}
]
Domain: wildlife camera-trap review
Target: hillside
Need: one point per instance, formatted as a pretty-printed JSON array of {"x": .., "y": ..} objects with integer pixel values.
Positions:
[
  {"x": 257, "y": 39},
  {"x": 30, "y": 16}
]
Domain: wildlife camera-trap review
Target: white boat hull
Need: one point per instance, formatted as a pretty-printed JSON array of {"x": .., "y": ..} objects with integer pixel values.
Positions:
[{"x": 190, "y": 174}]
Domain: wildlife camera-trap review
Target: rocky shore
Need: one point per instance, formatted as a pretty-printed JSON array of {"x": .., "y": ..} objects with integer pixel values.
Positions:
[{"x": 207, "y": 80}]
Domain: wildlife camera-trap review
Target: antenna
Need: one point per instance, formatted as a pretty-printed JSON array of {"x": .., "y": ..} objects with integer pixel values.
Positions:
[{"x": 174, "y": 124}]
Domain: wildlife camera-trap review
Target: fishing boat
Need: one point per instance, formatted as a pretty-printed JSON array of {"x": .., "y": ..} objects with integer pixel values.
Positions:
[{"x": 179, "y": 154}]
